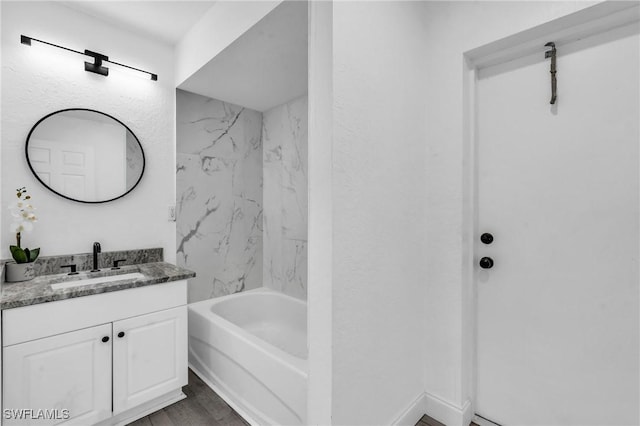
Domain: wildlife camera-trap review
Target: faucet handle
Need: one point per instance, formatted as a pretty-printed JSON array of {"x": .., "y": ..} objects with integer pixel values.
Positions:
[
  {"x": 73, "y": 269},
  {"x": 115, "y": 263}
]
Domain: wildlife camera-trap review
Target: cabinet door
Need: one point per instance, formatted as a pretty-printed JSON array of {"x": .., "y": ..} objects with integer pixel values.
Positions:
[
  {"x": 71, "y": 371},
  {"x": 149, "y": 357}
]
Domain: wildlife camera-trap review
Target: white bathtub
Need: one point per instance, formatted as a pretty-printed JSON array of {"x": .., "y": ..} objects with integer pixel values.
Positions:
[{"x": 251, "y": 348}]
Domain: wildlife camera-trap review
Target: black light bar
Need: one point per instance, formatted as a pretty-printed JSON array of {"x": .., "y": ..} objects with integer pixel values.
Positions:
[{"x": 98, "y": 58}]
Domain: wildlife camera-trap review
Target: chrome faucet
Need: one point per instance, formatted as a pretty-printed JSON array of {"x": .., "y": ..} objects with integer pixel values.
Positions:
[{"x": 96, "y": 250}]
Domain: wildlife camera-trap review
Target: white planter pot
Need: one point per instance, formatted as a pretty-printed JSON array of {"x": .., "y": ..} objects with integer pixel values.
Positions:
[{"x": 19, "y": 272}]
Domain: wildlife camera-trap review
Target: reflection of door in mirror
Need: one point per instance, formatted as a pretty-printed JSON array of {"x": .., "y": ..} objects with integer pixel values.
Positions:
[
  {"x": 87, "y": 156},
  {"x": 67, "y": 166}
]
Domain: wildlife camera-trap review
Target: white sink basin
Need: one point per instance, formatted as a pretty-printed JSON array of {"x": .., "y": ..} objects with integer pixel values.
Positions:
[{"x": 98, "y": 280}]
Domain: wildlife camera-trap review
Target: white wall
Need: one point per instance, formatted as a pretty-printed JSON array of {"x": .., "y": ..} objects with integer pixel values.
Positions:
[
  {"x": 378, "y": 184},
  {"x": 220, "y": 26},
  {"x": 452, "y": 29},
  {"x": 320, "y": 248},
  {"x": 38, "y": 80},
  {"x": 2, "y": 214}
]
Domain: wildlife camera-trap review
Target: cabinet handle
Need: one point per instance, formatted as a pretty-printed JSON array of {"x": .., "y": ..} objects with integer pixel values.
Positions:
[
  {"x": 105, "y": 339},
  {"x": 121, "y": 334}
]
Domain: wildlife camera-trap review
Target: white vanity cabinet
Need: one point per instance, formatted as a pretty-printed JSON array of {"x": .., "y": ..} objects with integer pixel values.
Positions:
[{"x": 107, "y": 358}]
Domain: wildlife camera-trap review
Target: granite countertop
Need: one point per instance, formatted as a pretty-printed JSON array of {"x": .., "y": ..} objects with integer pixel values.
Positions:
[{"x": 38, "y": 290}]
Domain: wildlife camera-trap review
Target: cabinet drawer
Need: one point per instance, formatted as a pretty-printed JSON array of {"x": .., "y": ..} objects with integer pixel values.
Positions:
[{"x": 48, "y": 319}]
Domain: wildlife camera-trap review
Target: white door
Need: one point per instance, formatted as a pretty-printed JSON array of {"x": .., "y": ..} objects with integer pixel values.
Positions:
[
  {"x": 558, "y": 316},
  {"x": 67, "y": 168},
  {"x": 149, "y": 357},
  {"x": 70, "y": 371}
]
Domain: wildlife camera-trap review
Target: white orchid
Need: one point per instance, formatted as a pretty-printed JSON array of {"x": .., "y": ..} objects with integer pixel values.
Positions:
[
  {"x": 23, "y": 220},
  {"x": 22, "y": 226}
]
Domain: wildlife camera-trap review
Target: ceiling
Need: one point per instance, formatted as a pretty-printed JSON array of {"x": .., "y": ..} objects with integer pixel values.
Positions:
[
  {"x": 263, "y": 68},
  {"x": 167, "y": 21}
]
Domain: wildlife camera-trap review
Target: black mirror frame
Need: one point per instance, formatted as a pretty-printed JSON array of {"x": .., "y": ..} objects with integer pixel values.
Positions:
[{"x": 26, "y": 151}]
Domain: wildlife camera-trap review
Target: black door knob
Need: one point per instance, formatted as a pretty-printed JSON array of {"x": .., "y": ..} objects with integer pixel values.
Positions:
[
  {"x": 105, "y": 339},
  {"x": 121, "y": 334},
  {"x": 486, "y": 263},
  {"x": 486, "y": 238}
]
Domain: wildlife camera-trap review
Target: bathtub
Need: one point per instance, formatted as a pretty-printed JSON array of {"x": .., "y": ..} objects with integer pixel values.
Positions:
[{"x": 251, "y": 348}]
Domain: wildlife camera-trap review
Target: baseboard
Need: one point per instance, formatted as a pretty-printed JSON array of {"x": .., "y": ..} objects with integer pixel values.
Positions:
[
  {"x": 467, "y": 413},
  {"x": 145, "y": 409},
  {"x": 447, "y": 413},
  {"x": 481, "y": 421},
  {"x": 413, "y": 413},
  {"x": 441, "y": 410}
]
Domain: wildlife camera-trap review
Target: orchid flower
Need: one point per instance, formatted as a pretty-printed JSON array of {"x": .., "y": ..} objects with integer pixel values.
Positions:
[{"x": 24, "y": 217}]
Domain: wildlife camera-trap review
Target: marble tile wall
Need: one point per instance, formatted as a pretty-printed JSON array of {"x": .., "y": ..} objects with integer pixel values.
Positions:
[
  {"x": 284, "y": 140},
  {"x": 219, "y": 195}
]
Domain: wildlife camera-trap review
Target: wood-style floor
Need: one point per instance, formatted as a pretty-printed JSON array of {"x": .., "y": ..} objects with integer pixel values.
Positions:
[
  {"x": 429, "y": 421},
  {"x": 201, "y": 407}
]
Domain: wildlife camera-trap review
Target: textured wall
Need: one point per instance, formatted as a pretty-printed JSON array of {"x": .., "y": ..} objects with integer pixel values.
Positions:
[
  {"x": 39, "y": 80},
  {"x": 219, "y": 195},
  {"x": 284, "y": 140},
  {"x": 320, "y": 247},
  {"x": 379, "y": 150}
]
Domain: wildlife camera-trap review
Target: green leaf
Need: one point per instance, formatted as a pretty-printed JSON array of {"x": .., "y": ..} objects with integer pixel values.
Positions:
[
  {"x": 18, "y": 254},
  {"x": 33, "y": 254}
]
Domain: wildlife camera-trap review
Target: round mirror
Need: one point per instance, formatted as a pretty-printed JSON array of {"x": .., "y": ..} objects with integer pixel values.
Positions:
[{"x": 85, "y": 155}]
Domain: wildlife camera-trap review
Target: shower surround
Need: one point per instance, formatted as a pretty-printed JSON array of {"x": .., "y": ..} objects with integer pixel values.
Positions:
[
  {"x": 219, "y": 195},
  {"x": 284, "y": 145},
  {"x": 221, "y": 167}
]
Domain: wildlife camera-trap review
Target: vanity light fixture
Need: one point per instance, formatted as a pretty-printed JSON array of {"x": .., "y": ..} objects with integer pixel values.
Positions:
[{"x": 98, "y": 58}]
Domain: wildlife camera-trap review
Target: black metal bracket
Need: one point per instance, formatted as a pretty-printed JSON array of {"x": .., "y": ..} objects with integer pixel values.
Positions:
[
  {"x": 554, "y": 84},
  {"x": 96, "y": 66}
]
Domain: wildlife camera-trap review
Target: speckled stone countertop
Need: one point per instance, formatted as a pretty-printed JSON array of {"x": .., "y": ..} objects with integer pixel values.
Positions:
[{"x": 39, "y": 290}]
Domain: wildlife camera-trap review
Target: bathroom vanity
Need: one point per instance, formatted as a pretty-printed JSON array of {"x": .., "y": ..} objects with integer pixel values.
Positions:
[{"x": 94, "y": 349}]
